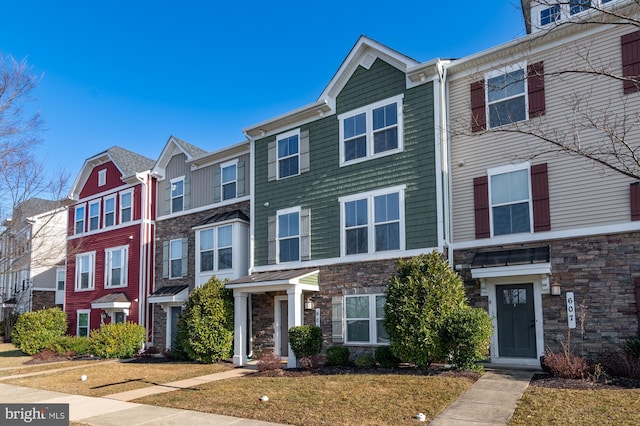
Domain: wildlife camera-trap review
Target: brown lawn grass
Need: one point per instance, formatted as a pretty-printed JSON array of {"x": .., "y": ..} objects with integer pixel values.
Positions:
[
  {"x": 346, "y": 399},
  {"x": 11, "y": 357},
  {"x": 547, "y": 406},
  {"x": 108, "y": 378}
]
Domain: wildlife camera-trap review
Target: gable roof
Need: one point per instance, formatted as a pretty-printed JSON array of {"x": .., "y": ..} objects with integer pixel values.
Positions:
[
  {"x": 364, "y": 53},
  {"x": 128, "y": 163},
  {"x": 172, "y": 147}
]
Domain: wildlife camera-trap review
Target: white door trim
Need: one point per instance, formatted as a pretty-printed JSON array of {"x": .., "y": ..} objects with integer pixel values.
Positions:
[{"x": 277, "y": 326}]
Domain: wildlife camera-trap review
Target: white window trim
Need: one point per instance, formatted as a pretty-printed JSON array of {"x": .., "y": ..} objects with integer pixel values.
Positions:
[
  {"x": 222, "y": 183},
  {"x": 295, "y": 132},
  {"x": 172, "y": 182},
  {"x": 80, "y": 312},
  {"x": 92, "y": 271},
  {"x": 124, "y": 258},
  {"x": 373, "y": 331},
  {"x": 400, "y": 189},
  {"x": 278, "y": 214},
  {"x": 565, "y": 12},
  {"x": 63, "y": 272},
  {"x": 368, "y": 110},
  {"x": 520, "y": 66},
  {"x": 104, "y": 213},
  {"x": 120, "y": 206},
  {"x": 84, "y": 219},
  {"x": 509, "y": 169},
  {"x": 171, "y": 258},
  {"x": 215, "y": 249},
  {"x": 93, "y": 203},
  {"x": 102, "y": 177}
]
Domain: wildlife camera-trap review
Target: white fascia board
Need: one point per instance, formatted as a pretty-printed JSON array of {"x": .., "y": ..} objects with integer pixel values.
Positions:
[
  {"x": 512, "y": 271},
  {"x": 303, "y": 115}
]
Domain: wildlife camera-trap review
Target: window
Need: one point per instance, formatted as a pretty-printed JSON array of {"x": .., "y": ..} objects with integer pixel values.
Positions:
[
  {"x": 550, "y": 15},
  {"x": 83, "y": 323},
  {"x": 125, "y": 207},
  {"x": 289, "y": 235},
  {"x": 506, "y": 100},
  {"x": 288, "y": 154},
  {"x": 60, "y": 279},
  {"x": 510, "y": 197},
  {"x": 177, "y": 195},
  {"x": 79, "y": 220},
  {"x": 371, "y": 131},
  {"x": 102, "y": 177},
  {"x": 216, "y": 248},
  {"x": 229, "y": 180},
  {"x": 373, "y": 222},
  {"x": 94, "y": 215},
  {"x": 118, "y": 318},
  {"x": 364, "y": 315},
  {"x": 109, "y": 211},
  {"x": 225, "y": 249},
  {"x": 175, "y": 259},
  {"x": 85, "y": 267},
  {"x": 577, "y": 6},
  {"x": 116, "y": 268}
]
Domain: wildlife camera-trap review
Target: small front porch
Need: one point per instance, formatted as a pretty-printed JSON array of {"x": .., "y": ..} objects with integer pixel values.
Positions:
[{"x": 285, "y": 292}]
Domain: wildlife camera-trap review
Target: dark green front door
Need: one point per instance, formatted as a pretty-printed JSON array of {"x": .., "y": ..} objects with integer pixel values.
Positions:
[{"x": 516, "y": 321}]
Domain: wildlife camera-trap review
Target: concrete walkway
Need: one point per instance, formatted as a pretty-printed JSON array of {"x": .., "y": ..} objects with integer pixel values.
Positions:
[{"x": 490, "y": 401}]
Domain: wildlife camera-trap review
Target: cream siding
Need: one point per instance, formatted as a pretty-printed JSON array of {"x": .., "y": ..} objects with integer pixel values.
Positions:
[{"x": 582, "y": 194}]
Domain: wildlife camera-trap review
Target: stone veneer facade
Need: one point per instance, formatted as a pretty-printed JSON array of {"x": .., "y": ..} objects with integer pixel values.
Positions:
[
  {"x": 600, "y": 271},
  {"x": 175, "y": 228}
]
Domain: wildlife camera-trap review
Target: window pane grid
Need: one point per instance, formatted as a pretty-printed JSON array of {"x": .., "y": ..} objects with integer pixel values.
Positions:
[{"x": 364, "y": 319}]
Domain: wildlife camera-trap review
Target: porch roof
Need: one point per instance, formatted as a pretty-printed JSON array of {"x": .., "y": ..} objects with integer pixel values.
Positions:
[
  {"x": 260, "y": 282},
  {"x": 112, "y": 301},
  {"x": 526, "y": 261},
  {"x": 169, "y": 294}
]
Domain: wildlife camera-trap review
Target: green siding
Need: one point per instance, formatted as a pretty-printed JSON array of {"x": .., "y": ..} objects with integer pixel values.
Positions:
[{"x": 320, "y": 188}]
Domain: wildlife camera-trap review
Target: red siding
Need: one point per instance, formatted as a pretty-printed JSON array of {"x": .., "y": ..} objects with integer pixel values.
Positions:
[
  {"x": 634, "y": 190},
  {"x": 99, "y": 242},
  {"x": 114, "y": 180},
  {"x": 478, "y": 109},
  {"x": 535, "y": 87},
  {"x": 540, "y": 194},
  {"x": 481, "y": 206},
  {"x": 630, "y": 45}
]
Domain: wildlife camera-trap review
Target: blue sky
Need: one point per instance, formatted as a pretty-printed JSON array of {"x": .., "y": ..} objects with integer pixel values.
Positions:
[{"x": 133, "y": 73}]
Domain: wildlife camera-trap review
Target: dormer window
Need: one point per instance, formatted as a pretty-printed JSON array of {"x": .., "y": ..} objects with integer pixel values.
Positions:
[{"x": 550, "y": 15}]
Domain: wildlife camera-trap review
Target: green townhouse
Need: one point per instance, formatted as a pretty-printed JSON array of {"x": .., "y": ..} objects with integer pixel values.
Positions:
[{"x": 341, "y": 189}]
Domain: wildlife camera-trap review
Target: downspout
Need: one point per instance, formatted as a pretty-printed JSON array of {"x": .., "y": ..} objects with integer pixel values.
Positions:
[
  {"x": 445, "y": 152},
  {"x": 145, "y": 207},
  {"x": 252, "y": 185}
]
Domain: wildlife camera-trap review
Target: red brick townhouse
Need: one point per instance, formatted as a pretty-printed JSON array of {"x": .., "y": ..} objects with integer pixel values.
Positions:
[{"x": 110, "y": 241}]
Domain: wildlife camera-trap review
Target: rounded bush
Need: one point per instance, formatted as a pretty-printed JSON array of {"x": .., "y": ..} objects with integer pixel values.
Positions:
[
  {"x": 305, "y": 340},
  {"x": 118, "y": 340},
  {"x": 338, "y": 356},
  {"x": 33, "y": 331},
  {"x": 206, "y": 326},
  {"x": 465, "y": 335},
  {"x": 365, "y": 361},
  {"x": 385, "y": 357},
  {"x": 422, "y": 294}
]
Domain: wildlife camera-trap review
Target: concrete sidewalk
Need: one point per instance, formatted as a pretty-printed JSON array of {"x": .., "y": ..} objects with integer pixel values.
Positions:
[{"x": 490, "y": 401}]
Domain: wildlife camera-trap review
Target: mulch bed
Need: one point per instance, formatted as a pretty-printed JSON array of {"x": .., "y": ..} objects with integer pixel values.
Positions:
[{"x": 546, "y": 380}]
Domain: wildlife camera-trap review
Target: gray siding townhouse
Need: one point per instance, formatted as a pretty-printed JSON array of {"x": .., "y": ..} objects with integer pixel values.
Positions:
[
  {"x": 533, "y": 227},
  {"x": 202, "y": 225},
  {"x": 342, "y": 188}
]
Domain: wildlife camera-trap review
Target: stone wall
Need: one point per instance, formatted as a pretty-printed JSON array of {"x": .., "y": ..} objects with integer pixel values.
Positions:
[{"x": 600, "y": 271}]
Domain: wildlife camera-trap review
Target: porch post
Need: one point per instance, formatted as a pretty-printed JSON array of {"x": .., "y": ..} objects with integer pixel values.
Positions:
[
  {"x": 294, "y": 303},
  {"x": 239, "y": 328}
]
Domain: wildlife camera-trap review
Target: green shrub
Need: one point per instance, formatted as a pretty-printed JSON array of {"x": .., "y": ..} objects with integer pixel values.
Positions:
[
  {"x": 118, "y": 340},
  {"x": 206, "y": 325},
  {"x": 422, "y": 294},
  {"x": 70, "y": 345},
  {"x": 465, "y": 336},
  {"x": 365, "y": 361},
  {"x": 33, "y": 331},
  {"x": 385, "y": 357},
  {"x": 338, "y": 355},
  {"x": 305, "y": 340},
  {"x": 632, "y": 347}
]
